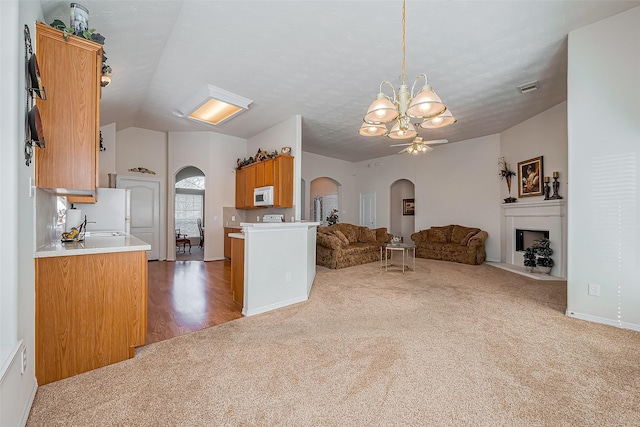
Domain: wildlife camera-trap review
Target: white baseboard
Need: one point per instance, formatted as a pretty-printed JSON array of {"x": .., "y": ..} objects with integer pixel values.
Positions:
[
  {"x": 596, "y": 319},
  {"x": 274, "y": 306},
  {"x": 17, "y": 390}
]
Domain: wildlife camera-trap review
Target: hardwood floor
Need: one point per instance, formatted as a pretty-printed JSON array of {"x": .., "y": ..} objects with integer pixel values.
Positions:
[{"x": 186, "y": 296}]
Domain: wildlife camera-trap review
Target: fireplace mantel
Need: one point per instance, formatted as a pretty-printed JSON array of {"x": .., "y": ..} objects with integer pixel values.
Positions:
[{"x": 541, "y": 215}]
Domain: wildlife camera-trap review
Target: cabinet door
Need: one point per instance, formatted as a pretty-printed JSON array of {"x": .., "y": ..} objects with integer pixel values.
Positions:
[
  {"x": 260, "y": 174},
  {"x": 70, "y": 115},
  {"x": 283, "y": 174},
  {"x": 250, "y": 185},
  {"x": 268, "y": 172},
  {"x": 240, "y": 188}
]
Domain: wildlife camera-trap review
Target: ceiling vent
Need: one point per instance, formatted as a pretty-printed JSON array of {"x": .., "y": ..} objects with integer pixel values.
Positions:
[{"x": 528, "y": 87}]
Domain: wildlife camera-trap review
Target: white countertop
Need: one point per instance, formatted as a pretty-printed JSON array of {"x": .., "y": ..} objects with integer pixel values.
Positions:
[
  {"x": 236, "y": 235},
  {"x": 276, "y": 225},
  {"x": 93, "y": 245}
]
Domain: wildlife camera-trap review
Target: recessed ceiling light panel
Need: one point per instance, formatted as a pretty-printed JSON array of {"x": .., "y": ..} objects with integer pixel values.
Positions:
[{"x": 212, "y": 105}]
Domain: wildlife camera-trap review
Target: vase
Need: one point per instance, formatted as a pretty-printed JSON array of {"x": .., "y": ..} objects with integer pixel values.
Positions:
[
  {"x": 544, "y": 270},
  {"x": 508, "y": 177}
]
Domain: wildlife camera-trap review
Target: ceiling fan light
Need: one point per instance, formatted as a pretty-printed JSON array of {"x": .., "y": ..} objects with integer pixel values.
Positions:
[
  {"x": 381, "y": 111},
  {"x": 397, "y": 133},
  {"x": 444, "y": 119},
  {"x": 426, "y": 104},
  {"x": 373, "y": 130}
]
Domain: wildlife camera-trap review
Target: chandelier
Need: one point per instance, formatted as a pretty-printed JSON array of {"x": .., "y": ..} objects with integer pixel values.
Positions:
[{"x": 404, "y": 106}]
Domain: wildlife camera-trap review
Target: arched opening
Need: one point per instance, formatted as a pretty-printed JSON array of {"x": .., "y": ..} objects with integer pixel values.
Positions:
[
  {"x": 325, "y": 198},
  {"x": 402, "y": 213},
  {"x": 189, "y": 214}
]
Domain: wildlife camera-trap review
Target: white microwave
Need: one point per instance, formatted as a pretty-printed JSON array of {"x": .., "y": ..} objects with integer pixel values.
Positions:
[{"x": 263, "y": 196}]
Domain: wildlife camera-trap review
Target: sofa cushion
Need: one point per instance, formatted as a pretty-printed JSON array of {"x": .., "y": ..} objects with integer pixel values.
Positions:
[
  {"x": 460, "y": 232},
  {"x": 343, "y": 239},
  {"x": 351, "y": 231},
  {"x": 359, "y": 248},
  {"x": 438, "y": 234},
  {"x": 367, "y": 235}
]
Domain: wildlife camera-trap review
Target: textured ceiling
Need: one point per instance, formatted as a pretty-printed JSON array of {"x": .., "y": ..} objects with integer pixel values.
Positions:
[{"x": 324, "y": 60}]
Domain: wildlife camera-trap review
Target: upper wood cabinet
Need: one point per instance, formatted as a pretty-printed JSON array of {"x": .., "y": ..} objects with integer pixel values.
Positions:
[
  {"x": 70, "y": 115},
  {"x": 277, "y": 172}
]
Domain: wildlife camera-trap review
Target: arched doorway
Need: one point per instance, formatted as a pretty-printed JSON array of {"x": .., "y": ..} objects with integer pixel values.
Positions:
[
  {"x": 189, "y": 214},
  {"x": 325, "y": 197},
  {"x": 402, "y": 220}
]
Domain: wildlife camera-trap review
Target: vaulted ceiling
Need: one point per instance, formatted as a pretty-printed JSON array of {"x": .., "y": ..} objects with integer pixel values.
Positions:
[{"x": 324, "y": 60}]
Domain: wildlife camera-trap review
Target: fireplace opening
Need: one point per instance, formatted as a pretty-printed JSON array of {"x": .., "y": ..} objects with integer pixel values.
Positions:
[{"x": 526, "y": 238}]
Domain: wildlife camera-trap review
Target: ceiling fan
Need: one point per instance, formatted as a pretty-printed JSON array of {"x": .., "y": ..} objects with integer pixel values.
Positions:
[{"x": 418, "y": 145}]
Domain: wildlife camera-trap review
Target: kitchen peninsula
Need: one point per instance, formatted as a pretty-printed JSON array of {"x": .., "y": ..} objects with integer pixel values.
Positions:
[
  {"x": 91, "y": 304},
  {"x": 279, "y": 264}
]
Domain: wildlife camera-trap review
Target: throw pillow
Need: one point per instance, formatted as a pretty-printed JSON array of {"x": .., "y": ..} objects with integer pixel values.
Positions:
[
  {"x": 349, "y": 230},
  {"x": 437, "y": 234},
  {"x": 459, "y": 233},
  {"x": 367, "y": 235},
  {"x": 343, "y": 239},
  {"x": 466, "y": 238},
  {"x": 328, "y": 241}
]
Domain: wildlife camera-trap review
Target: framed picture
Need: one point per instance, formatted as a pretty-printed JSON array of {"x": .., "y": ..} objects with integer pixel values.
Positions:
[
  {"x": 408, "y": 207},
  {"x": 530, "y": 177}
]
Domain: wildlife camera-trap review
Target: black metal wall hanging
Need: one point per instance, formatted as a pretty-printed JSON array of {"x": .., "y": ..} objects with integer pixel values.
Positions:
[{"x": 33, "y": 131}]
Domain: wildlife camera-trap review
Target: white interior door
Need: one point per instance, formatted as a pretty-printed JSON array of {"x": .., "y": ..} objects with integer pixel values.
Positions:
[
  {"x": 145, "y": 211},
  {"x": 368, "y": 209}
]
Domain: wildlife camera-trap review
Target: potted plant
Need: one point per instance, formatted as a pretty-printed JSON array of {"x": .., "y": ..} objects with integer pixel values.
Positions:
[
  {"x": 544, "y": 252},
  {"x": 505, "y": 172},
  {"x": 333, "y": 217},
  {"x": 530, "y": 258}
]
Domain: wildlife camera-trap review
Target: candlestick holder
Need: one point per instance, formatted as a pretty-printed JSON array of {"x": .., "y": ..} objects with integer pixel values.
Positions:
[
  {"x": 556, "y": 185},
  {"x": 546, "y": 190}
]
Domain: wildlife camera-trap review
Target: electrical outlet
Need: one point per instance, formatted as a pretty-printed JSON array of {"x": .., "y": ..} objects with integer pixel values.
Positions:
[
  {"x": 233, "y": 218},
  {"x": 258, "y": 218},
  {"x": 287, "y": 277},
  {"x": 594, "y": 290},
  {"x": 215, "y": 218},
  {"x": 23, "y": 367}
]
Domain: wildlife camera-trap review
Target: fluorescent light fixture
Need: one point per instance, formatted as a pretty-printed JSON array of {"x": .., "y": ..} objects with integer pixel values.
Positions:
[{"x": 212, "y": 105}]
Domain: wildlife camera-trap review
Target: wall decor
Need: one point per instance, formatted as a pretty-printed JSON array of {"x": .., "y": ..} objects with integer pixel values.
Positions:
[
  {"x": 142, "y": 170},
  {"x": 530, "y": 177},
  {"x": 408, "y": 207},
  {"x": 33, "y": 132}
]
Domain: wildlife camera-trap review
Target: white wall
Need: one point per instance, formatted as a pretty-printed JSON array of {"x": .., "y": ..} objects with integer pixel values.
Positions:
[
  {"x": 454, "y": 184},
  {"x": 542, "y": 135},
  {"x": 400, "y": 224},
  {"x": 216, "y": 155},
  {"x": 136, "y": 147},
  {"x": 284, "y": 134},
  {"x": 604, "y": 169},
  {"x": 17, "y": 320},
  {"x": 316, "y": 166},
  {"x": 107, "y": 163}
]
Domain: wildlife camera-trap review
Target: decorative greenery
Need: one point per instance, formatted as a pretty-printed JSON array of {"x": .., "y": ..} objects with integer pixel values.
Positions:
[
  {"x": 89, "y": 34},
  {"x": 539, "y": 254},
  {"x": 260, "y": 156},
  {"x": 333, "y": 217},
  {"x": 504, "y": 170}
]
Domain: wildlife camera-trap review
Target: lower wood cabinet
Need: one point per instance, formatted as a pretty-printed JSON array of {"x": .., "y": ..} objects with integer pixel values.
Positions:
[
  {"x": 91, "y": 311},
  {"x": 237, "y": 270},
  {"x": 227, "y": 240}
]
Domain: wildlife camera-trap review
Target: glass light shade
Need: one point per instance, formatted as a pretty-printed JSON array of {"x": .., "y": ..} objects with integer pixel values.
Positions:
[
  {"x": 373, "y": 130},
  {"x": 105, "y": 80},
  {"x": 444, "y": 119},
  {"x": 381, "y": 111},
  {"x": 397, "y": 133},
  {"x": 426, "y": 104}
]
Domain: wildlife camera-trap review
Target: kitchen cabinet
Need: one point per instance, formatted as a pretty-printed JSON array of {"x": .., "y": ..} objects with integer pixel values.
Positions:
[
  {"x": 70, "y": 115},
  {"x": 237, "y": 270},
  {"x": 91, "y": 311},
  {"x": 241, "y": 184},
  {"x": 277, "y": 172},
  {"x": 227, "y": 240}
]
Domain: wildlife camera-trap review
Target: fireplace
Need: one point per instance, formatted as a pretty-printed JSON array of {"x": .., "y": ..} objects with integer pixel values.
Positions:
[
  {"x": 527, "y": 238},
  {"x": 525, "y": 222}
]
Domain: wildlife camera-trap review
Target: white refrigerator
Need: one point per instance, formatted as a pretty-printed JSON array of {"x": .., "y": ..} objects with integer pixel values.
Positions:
[{"x": 110, "y": 214}]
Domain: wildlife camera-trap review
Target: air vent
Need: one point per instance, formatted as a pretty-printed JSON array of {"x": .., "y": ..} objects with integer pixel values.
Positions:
[{"x": 528, "y": 87}]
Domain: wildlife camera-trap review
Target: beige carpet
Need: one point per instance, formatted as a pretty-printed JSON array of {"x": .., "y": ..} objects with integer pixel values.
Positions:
[{"x": 451, "y": 344}]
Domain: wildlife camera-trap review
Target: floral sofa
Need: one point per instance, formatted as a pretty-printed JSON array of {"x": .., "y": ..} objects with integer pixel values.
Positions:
[
  {"x": 452, "y": 243},
  {"x": 345, "y": 245}
]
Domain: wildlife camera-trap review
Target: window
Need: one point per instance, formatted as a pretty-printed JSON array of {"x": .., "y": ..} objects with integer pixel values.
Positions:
[{"x": 189, "y": 205}]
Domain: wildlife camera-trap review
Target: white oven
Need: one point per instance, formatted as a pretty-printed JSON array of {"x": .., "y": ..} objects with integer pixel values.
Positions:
[{"x": 263, "y": 196}]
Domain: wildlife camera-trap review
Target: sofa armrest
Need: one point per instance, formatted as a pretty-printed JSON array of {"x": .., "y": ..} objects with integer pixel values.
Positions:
[
  {"x": 419, "y": 237},
  {"x": 328, "y": 241},
  {"x": 382, "y": 236},
  {"x": 478, "y": 240}
]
